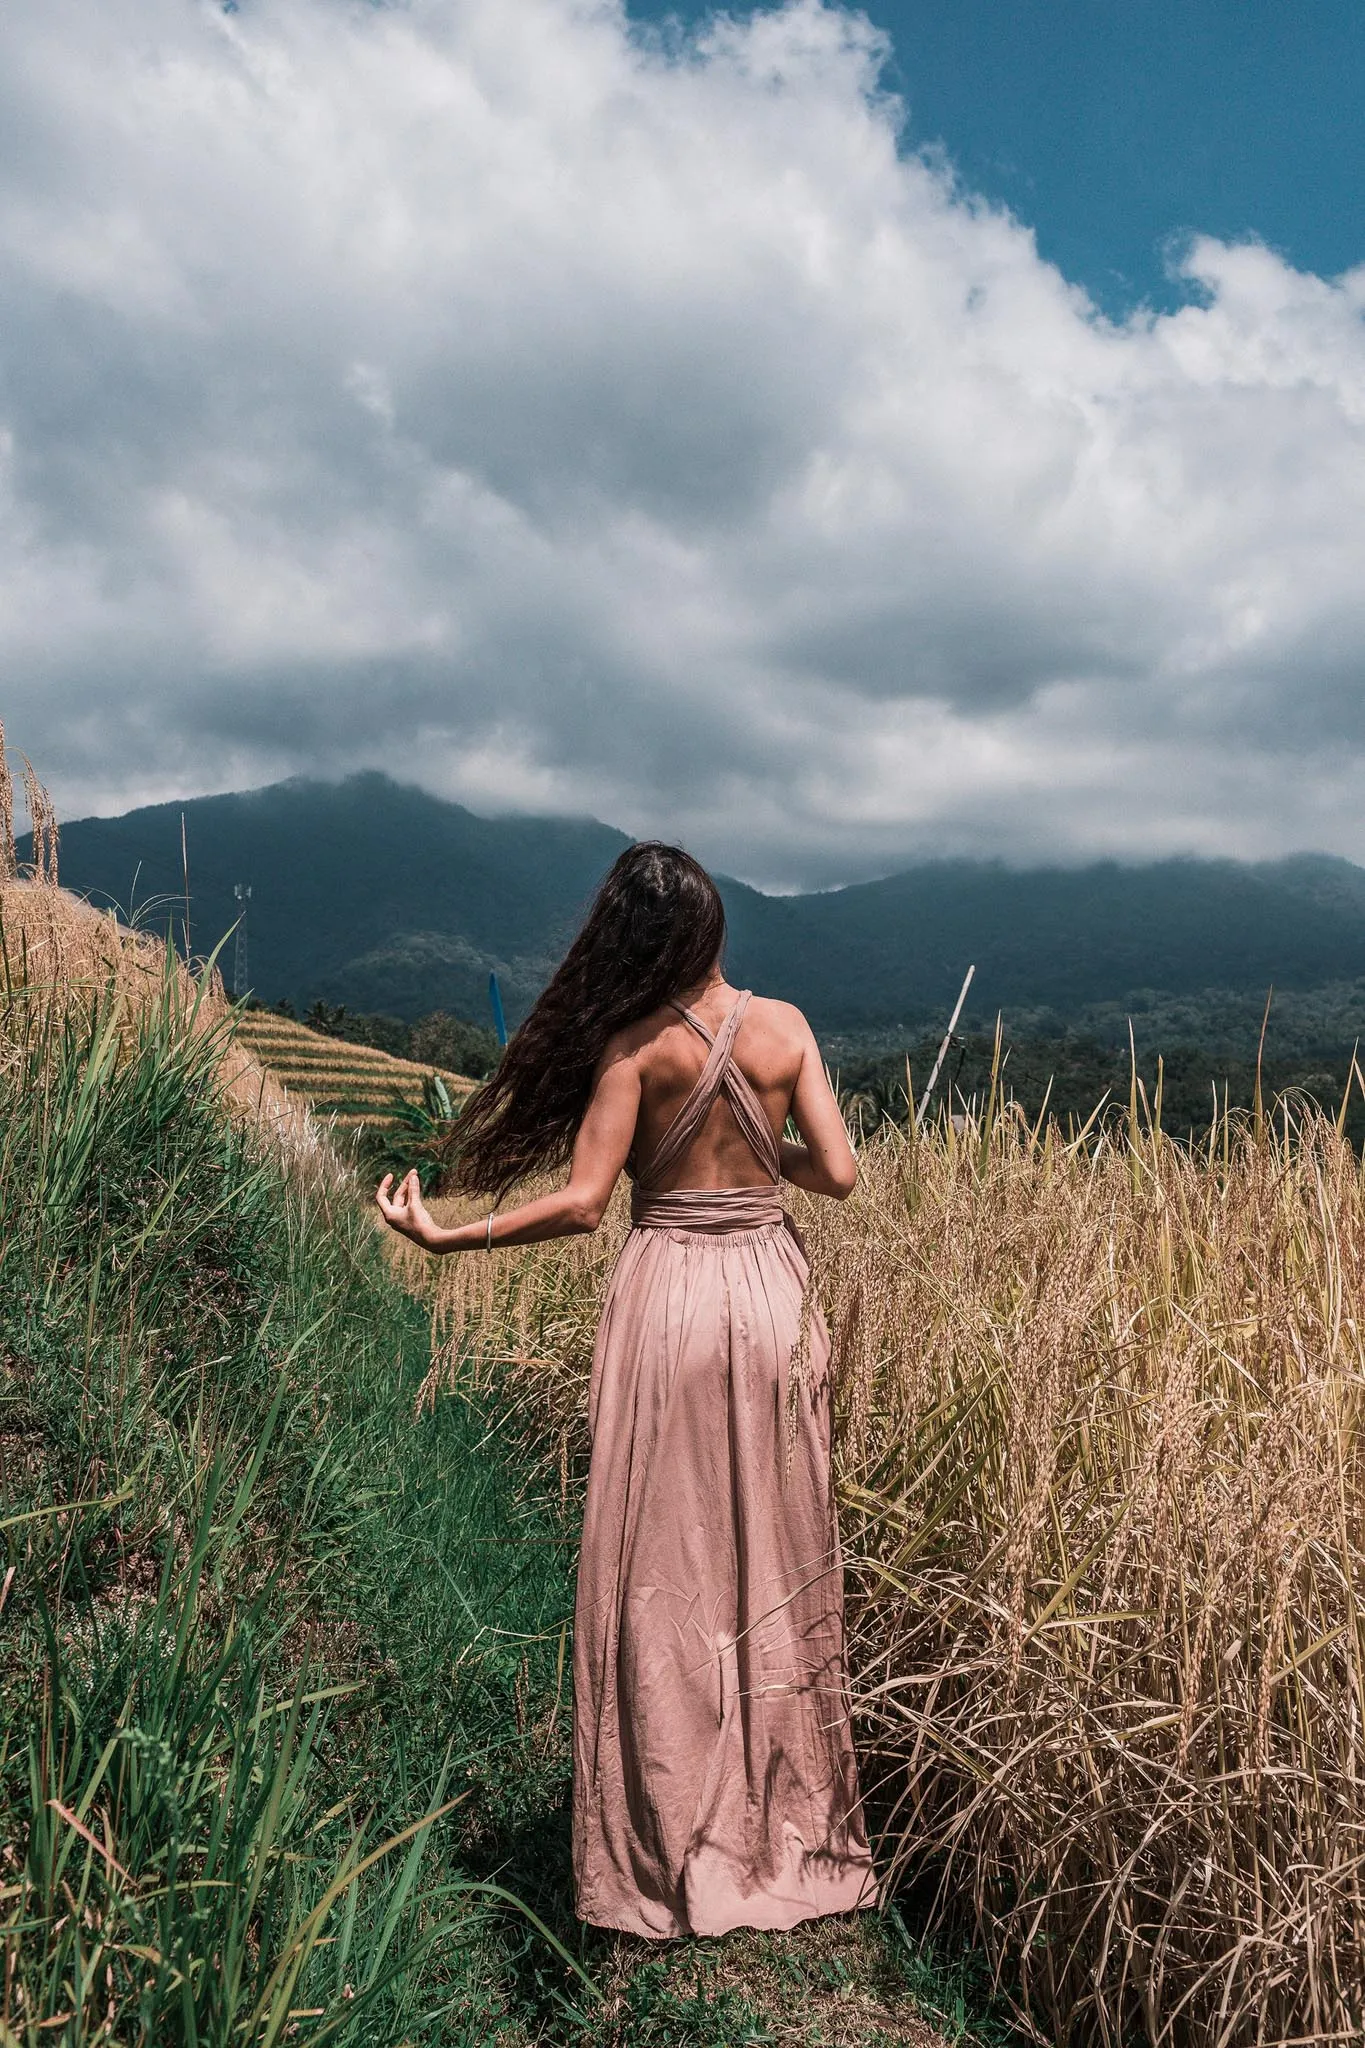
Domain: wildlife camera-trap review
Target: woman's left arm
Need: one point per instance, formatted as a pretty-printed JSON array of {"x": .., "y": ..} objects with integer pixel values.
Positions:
[{"x": 599, "y": 1153}]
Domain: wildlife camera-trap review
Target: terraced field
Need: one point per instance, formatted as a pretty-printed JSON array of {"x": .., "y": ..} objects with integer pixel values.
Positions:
[{"x": 350, "y": 1085}]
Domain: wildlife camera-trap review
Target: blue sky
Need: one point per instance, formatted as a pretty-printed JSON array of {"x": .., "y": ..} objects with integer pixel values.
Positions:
[{"x": 1111, "y": 125}]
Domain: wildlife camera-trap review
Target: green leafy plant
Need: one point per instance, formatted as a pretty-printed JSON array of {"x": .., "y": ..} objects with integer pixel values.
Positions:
[{"x": 418, "y": 1135}]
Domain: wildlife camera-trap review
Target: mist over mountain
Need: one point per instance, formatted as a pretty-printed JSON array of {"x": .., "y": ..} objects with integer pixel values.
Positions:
[{"x": 382, "y": 897}]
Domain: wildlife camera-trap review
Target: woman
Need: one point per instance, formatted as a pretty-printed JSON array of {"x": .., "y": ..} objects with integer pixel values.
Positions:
[{"x": 714, "y": 1778}]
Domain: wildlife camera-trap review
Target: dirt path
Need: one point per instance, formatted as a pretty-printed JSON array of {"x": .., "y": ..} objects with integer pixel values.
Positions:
[{"x": 835, "y": 1983}]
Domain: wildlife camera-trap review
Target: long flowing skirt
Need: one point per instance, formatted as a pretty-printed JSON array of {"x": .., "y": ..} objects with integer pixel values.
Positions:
[{"x": 714, "y": 1778}]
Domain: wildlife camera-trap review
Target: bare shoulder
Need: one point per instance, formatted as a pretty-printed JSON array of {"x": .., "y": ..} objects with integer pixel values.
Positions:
[
  {"x": 634, "y": 1039},
  {"x": 781, "y": 1021},
  {"x": 772, "y": 1030}
]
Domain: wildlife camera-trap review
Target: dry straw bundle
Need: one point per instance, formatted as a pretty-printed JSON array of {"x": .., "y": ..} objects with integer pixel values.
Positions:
[
  {"x": 60, "y": 955},
  {"x": 1099, "y": 1444},
  {"x": 51, "y": 943},
  {"x": 43, "y": 819}
]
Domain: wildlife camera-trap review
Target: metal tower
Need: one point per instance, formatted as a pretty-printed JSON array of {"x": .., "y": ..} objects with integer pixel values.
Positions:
[{"x": 242, "y": 892}]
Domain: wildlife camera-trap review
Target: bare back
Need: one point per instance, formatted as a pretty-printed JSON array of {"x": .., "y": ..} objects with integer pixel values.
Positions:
[
  {"x": 771, "y": 1050},
  {"x": 694, "y": 1103}
]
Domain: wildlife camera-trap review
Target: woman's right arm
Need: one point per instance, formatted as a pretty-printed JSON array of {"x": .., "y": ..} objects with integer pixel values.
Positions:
[
  {"x": 599, "y": 1153},
  {"x": 823, "y": 1163}
]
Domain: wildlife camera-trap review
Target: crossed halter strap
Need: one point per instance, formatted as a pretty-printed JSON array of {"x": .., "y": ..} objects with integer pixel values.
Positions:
[{"x": 740, "y": 1208}]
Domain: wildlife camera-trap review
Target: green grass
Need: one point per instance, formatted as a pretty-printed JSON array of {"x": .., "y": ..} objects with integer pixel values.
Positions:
[
  {"x": 259, "y": 1622},
  {"x": 284, "y": 1667}
]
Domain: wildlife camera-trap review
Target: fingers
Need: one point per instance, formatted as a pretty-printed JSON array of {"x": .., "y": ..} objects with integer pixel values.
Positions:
[
  {"x": 394, "y": 1203},
  {"x": 401, "y": 1205}
]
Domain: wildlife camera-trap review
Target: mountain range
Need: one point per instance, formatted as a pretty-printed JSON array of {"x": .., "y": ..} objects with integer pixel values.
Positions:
[{"x": 384, "y": 898}]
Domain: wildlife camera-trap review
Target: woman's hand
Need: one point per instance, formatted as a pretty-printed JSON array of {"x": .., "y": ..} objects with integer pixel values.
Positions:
[{"x": 404, "y": 1210}]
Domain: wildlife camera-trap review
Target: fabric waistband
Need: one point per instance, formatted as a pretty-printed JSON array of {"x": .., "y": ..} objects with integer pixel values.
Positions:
[{"x": 706, "y": 1209}]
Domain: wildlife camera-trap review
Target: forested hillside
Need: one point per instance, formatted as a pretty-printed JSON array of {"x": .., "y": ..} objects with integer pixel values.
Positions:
[
  {"x": 386, "y": 899},
  {"x": 1055, "y": 938},
  {"x": 363, "y": 892}
]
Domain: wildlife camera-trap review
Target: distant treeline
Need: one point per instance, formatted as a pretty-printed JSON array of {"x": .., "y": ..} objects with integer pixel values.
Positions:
[
  {"x": 1071, "y": 1075},
  {"x": 1315, "y": 1027},
  {"x": 1203, "y": 1043}
]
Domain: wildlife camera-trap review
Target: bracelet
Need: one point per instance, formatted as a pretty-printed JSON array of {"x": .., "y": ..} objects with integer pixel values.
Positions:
[{"x": 488, "y": 1240}]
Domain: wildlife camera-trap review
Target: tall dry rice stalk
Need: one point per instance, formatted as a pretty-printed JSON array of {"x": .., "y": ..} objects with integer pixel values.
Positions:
[
  {"x": 1099, "y": 1458},
  {"x": 46, "y": 833},
  {"x": 9, "y": 866}
]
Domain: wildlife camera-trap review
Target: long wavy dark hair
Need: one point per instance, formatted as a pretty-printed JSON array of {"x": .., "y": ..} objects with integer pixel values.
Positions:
[{"x": 656, "y": 927}]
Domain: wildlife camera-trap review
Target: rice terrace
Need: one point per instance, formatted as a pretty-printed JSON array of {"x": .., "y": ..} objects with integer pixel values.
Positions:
[{"x": 352, "y": 1086}]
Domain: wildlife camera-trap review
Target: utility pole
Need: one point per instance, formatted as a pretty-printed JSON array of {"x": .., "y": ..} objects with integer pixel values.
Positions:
[
  {"x": 185, "y": 875},
  {"x": 242, "y": 892}
]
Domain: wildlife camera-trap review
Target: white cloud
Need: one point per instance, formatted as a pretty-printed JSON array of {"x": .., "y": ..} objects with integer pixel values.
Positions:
[{"x": 572, "y": 421}]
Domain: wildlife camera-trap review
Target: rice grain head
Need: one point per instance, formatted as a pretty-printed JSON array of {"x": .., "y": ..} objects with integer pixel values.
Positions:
[{"x": 9, "y": 865}]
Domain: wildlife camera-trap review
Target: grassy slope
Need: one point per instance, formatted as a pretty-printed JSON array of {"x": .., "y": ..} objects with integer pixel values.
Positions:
[
  {"x": 212, "y": 1356},
  {"x": 260, "y": 1621}
]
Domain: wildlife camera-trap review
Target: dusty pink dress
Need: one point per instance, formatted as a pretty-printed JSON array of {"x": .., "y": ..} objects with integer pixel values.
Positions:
[{"x": 714, "y": 1778}]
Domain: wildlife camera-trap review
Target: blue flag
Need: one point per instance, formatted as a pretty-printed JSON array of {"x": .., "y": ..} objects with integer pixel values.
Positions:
[{"x": 495, "y": 998}]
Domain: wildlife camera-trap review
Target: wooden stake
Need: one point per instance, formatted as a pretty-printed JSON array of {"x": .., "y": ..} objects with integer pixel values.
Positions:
[{"x": 943, "y": 1049}]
